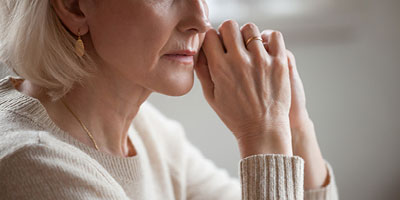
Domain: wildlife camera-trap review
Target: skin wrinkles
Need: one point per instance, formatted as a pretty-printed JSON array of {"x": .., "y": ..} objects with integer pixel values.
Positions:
[{"x": 128, "y": 40}]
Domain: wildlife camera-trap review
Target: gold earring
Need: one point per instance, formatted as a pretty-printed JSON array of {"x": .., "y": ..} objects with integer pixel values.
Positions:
[{"x": 79, "y": 46}]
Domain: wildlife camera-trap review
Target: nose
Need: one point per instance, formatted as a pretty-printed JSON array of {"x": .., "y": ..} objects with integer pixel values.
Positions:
[{"x": 196, "y": 17}]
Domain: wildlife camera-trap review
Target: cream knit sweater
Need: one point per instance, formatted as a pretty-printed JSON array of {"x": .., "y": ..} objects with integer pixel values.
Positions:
[{"x": 38, "y": 160}]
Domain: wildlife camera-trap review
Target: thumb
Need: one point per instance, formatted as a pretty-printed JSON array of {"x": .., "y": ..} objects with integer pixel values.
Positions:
[{"x": 202, "y": 72}]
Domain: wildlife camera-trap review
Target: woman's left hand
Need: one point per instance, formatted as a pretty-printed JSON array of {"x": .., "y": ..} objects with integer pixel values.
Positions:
[{"x": 304, "y": 140}]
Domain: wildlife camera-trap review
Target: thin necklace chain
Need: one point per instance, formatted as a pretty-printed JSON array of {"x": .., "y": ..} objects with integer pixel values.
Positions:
[{"x": 83, "y": 126}]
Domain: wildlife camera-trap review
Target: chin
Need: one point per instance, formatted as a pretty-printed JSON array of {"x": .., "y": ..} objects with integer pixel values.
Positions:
[{"x": 177, "y": 85}]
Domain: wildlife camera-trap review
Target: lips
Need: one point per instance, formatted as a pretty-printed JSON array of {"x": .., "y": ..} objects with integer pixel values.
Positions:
[
  {"x": 181, "y": 56},
  {"x": 183, "y": 53}
]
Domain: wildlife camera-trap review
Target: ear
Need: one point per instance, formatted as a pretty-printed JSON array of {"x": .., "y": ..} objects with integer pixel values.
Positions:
[{"x": 71, "y": 15}]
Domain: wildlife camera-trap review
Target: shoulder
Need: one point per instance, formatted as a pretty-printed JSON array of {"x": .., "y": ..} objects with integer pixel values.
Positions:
[
  {"x": 38, "y": 164},
  {"x": 14, "y": 140},
  {"x": 37, "y": 147},
  {"x": 40, "y": 149}
]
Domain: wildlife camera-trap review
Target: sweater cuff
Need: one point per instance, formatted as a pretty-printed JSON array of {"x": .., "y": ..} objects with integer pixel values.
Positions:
[
  {"x": 329, "y": 192},
  {"x": 272, "y": 176}
]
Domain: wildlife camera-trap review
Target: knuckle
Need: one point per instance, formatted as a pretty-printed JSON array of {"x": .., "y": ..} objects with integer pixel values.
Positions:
[
  {"x": 282, "y": 55},
  {"x": 277, "y": 34},
  {"x": 280, "y": 67},
  {"x": 267, "y": 32},
  {"x": 279, "y": 63},
  {"x": 210, "y": 33},
  {"x": 290, "y": 55},
  {"x": 228, "y": 24},
  {"x": 249, "y": 26}
]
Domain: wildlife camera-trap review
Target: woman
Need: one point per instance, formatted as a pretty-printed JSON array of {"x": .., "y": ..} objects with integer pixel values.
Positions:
[{"x": 76, "y": 124}]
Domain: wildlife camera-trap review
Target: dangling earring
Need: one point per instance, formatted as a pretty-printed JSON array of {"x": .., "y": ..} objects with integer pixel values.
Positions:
[{"x": 79, "y": 46}]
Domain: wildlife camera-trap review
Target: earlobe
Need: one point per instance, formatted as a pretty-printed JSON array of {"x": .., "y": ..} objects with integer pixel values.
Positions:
[{"x": 70, "y": 14}]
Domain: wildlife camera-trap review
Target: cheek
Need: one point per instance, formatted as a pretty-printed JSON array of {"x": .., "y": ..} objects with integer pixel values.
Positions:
[
  {"x": 125, "y": 37},
  {"x": 132, "y": 41}
]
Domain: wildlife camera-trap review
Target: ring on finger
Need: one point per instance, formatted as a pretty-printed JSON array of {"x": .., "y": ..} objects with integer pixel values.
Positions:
[{"x": 252, "y": 39}]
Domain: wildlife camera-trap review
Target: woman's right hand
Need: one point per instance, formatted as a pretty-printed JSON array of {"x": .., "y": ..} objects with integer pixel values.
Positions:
[{"x": 248, "y": 87}]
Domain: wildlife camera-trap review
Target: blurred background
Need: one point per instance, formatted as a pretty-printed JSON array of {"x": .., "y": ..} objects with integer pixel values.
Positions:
[{"x": 348, "y": 55}]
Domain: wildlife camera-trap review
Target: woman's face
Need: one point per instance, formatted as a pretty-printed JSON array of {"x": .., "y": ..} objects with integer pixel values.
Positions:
[{"x": 133, "y": 37}]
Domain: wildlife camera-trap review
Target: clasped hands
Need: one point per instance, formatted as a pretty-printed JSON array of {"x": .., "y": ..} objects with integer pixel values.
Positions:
[{"x": 255, "y": 89}]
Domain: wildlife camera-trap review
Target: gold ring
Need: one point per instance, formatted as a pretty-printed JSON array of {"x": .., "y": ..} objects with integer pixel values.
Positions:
[{"x": 253, "y": 38}]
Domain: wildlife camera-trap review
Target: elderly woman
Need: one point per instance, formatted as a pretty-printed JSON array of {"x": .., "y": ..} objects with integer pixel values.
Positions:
[{"x": 76, "y": 125}]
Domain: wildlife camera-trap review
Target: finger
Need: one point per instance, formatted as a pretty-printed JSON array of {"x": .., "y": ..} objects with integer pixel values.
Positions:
[
  {"x": 298, "y": 104},
  {"x": 255, "y": 47},
  {"x": 203, "y": 74},
  {"x": 291, "y": 61},
  {"x": 212, "y": 47},
  {"x": 295, "y": 79},
  {"x": 231, "y": 36},
  {"x": 276, "y": 44},
  {"x": 265, "y": 36}
]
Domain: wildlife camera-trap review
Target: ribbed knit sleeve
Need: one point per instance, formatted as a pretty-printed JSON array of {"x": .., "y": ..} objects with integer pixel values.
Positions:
[
  {"x": 262, "y": 176},
  {"x": 38, "y": 171},
  {"x": 272, "y": 176}
]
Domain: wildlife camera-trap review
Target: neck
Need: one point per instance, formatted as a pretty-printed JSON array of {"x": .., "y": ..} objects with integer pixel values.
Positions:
[{"x": 106, "y": 105}]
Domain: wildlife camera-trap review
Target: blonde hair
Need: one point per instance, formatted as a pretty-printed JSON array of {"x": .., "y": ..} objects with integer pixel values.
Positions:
[{"x": 36, "y": 46}]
